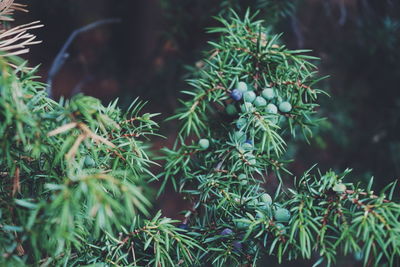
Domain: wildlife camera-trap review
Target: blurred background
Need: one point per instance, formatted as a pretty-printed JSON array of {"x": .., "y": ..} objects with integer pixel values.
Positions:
[{"x": 158, "y": 42}]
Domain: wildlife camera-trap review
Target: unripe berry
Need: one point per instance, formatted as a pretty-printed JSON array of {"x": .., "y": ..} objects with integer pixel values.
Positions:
[
  {"x": 236, "y": 95},
  {"x": 268, "y": 93},
  {"x": 259, "y": 215},
  {"x": 226, "y": 231},
  {"x": 240, "y": 123},
  {"x": 285, "y": 107},
  {"x": 340, "y": 188},
  {"x": 183, "y": 226},
  {"x": 146, "y": 116},
  {"x": 260, "y": 102},
  {"x": 237, "y": 246},
  {"x": 252, "y": 202},
  {"x": 251, "y": 159},
  {"x": 265, "y": 208},
  {"x": 240, "y": 136},
  {"x": 247, "y": 146},
  {"x": 359, "y": 256},
  {"x": 241, "y": 225},
  {"x": 247, "y": 107},
  {"x": 282, "y": 215},
  {"x": 266, "y": 198},
  {"x": 204, "y": 143},
  {"x": 242, "y": 87},
  {"x": 252, "y": 248},
  {"x": 231, "y": 110},
  {"x": 281, "y": 228},
  {"x": 271, "y": 108},
  {"x": 89, "y": 162},
  {"x": 249, "y": 96},
  {"x": 242, "y": 178}
]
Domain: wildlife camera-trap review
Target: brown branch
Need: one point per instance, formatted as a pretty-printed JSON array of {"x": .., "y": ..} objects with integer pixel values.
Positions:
[
  {"x": 298, "y": 83},
  {"x": 130, "y": 120},
  {"x": 369, "y": 209},
  {"x": 281, "y": 236},
  {"x": 16, "y": 183},
  {"x": 191, "y": 153},
  {"x": 201, "y": 98},
  {"x": 365, "y": 194},
  {"x": 131, "y": 135}
]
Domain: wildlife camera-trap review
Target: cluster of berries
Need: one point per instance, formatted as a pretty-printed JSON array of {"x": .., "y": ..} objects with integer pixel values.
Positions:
[
  {"x": 271, "y": 103},
  {"x": 264, "y": 211},
  {"x": 268, "y": 99}
]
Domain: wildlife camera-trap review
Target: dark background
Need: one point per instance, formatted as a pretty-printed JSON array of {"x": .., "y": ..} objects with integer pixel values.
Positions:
[{"x": 145, "y": 56}]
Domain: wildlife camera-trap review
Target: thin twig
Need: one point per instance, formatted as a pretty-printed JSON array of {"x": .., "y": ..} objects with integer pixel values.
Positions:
[
  {"x": 63, "y": 55},
  {"x": 343, "y": 13},
  {"x": 296, "y": 30}
]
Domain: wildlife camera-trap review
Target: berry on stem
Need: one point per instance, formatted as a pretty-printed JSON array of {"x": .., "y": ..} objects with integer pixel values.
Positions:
[
  {"x": 359, "y": 256},
  {"x": 252, "y": 202},
  {"x": 226, "y": 231},
  {"x": 242, "y": 178},
  {"x": 271, "y": 108},
  {"x": 251, "y": 159},
  {"x": 240, "y": 136},
  {"x": 285, "y": 107},
  {"x": 268, "y": 93},
  {"x": 281, "y": 228},
  {"x": 146, "y": 116},
  {"x": 260, "y": 102},
  {"x": 236, "y": 95},
  {"x": 204, "y": 143},
  {"x": 242, "y": 87},
  {"x": 89, "y": 162},
  {"x": 249, "y": 96},
  {"x": 237, "y": 246},
  {"x": 231, "y": 110},
  {"x": 259, "y": 215},
  {"x": 241, "y": 225},
  {"x": 340, "y": 188},
  {"x": 183, "y": 226},
  {"x": 247, "y": 107},
  {"x": 282, "y": 215},
  {"x": 266, "y": 198},
  {"x": 266, "y": 209},
  {"x": 240, "y": 123},
  {"x": 252, "y": 248},
  {"x": 247, "y": 146}
]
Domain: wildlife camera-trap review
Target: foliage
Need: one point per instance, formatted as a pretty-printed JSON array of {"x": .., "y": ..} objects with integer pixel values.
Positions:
[
  {"x": 74, "y": 180},
  {"x": 232, "y": 216},
  {"x": 185, "y": 15},
  {"x": 74, "y": 173}
]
